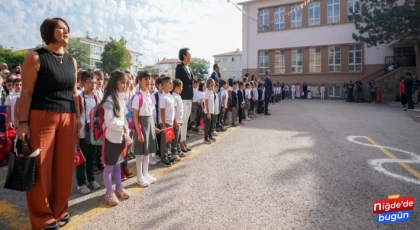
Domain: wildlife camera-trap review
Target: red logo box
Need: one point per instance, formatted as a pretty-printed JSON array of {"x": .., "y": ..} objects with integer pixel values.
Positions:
[{"x": 393, "y": 205}]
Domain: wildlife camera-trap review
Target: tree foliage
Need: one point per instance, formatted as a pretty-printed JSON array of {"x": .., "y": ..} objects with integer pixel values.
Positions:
[
  {"x": 80, "y": 51},
  {"x": 384, "y": 21},
  {"x": 12, "y": 57},
  {"x": 199, "y": 67},
  {"x": 115, "y": 56}
]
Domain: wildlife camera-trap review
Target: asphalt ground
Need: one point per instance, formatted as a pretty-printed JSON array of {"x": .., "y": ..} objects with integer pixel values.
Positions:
[{"x": 310, "y": 165}]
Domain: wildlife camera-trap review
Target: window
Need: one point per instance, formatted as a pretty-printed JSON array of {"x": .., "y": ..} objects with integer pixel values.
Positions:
[
  {"x": 95, "y": 49},
  {"x": 297, "y": 61},
  {"x": 314, "y": 14},
  {"x": 280, "y": 61},
  {"x": 263, "y": 61},
  {"x": 353, "y": 6},
  {"x": 333, "y": 11},
  {"x": 233, "y": 59},
  {"x": 334, "y": 59},
  {"x": 94, "y": 63},
  {"x": 263, "y": 20},
  {"x": 334, "y": 91},
  {"x": 355, "y": 58},
  {"x": 296, "y": 17},
  {"x": 315, "y": 60},
  {"x": 224, "y": 59},
  {"x": 279, "y": 17}
]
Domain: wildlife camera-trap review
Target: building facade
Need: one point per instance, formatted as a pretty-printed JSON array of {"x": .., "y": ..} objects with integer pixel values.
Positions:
[
  {"x": 167, "y": 67},
  {"x": 230, "y": 64},
  {"x": 313, "y": 44},
  {"x": 97, "y": 47}
]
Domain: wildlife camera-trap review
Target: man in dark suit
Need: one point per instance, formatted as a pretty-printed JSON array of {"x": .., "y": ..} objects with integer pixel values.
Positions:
[
  {"x": 408, "y": 82},
  {"x": 214, "y": 75},
  {"x": 268, "y": 85},
  {"x": 184, "y": 73}
]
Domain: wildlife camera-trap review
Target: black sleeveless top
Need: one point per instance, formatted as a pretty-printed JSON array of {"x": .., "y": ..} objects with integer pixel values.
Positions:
[{"x": 54, "y": 85}]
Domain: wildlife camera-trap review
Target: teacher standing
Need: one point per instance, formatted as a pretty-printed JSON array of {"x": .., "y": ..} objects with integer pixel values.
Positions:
[
  {"x": 268, "y": 86},
  {"x": 184, "y": 73},
  {"x": 49, "y": 117}
]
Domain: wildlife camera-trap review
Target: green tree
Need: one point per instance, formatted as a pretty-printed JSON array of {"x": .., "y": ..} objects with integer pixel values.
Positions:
[
  {"x": 79, "y": 51},
  {"x": 12, "y": 57},
  {"x": 115, "y": 56},
  {"x": 381, "y": 22},
  {"x": 199, "y": 67}
]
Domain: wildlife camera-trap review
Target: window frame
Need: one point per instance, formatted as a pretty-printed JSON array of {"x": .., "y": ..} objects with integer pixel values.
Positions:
[
  {"x": 295, "y": 61},
  {"x": 353, "y": 55},
  {"x": 294, "y": 17},
  {"x": 334, "y": 58},
  {"x": 233, "y": 59},
  {"x": 262, "y": 69},
  {"x": 315, "y": 21},
  {"x": 313, "y": 62},
  {"x": 280, "y": 12},
  {"x": 332, "y": 14},
  {"x": 280, "y": 61},
  {"x": 334, "y": 91},
  {"x": 353, "y": 4},
  {"x": 263, "y": 17}
]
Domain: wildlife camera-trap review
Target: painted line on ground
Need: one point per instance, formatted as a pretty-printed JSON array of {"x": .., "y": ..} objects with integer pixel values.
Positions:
[
  {"x": 2, "y": 182},
  {"x": 78, "y": 221},
  {"x": 12, "y": 217},
  {"x": 377, "y": 163}
]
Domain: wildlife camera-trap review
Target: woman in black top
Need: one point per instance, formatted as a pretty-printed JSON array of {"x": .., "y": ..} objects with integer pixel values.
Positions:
[{"x": 49, "y": 117}]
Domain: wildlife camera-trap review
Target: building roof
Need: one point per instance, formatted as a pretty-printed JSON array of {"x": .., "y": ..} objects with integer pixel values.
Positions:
[
  {"x": 169, "y": 61},
  {"x": 135, "y": 52},
  {"x": 243, "y": 2},
  {"x": 93, "y": 40},
  {"x": 233, "y": 53}
]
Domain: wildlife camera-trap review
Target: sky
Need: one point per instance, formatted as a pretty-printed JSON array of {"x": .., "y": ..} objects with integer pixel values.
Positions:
[{"x": 155, "y": 28}]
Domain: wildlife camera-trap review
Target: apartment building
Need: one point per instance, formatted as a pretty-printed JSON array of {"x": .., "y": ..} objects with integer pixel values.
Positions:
[
  {"x": 230, "y": 64},
  {"x": 97, "y": 47},
  {"x": 167, "y": 67},
  {"x": 313, "y": 44}
]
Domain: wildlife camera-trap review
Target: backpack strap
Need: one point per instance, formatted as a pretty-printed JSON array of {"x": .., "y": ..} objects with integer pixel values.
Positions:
[{"x": 80, "y": 104}]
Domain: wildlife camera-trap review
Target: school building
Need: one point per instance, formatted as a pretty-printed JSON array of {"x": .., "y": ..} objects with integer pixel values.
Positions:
[{"x": 313, "y": 44}]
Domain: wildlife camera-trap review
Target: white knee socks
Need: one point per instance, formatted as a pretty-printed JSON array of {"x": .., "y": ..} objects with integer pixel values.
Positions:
[
  {"x": 139, "y": 165},
  {"x": 146, "y": 165}
]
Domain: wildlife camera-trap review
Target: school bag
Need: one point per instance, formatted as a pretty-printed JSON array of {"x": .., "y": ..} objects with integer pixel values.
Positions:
[
  {"x": 130, "y": 115},
  {"x": 87, "y": 128},
  {"x": 97, "y": 119}
]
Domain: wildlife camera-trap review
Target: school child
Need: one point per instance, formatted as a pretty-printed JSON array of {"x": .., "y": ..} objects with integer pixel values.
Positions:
[
  {"x": 201, "y": 96},
  {"x": 11, "y": 101},
  {"x": 127, "y": 95},
  {"x": 4, "y": 92},
  {"x": 230, "y": 114},
  {"x": 156, "y": 114},
  {"x": 195, "y": 105},
  {"x": 9, "y": 86},
  {"x": 209, "y": 111},
  {"x": 260, "y": 98},
  {"x": 255, "y": 99},
  {"x": 87, "y": 101},
  {"x": 247, "y": 100},
  {"x": 241, "y": 101},
  {"x": 234, "y": 102},
  {"x": 99, "y": 92},
  {"x": 114, "y": 145},
  {"x": 179, "y": 113},
  {"x": 223, "y": 103},
  {"x": 167, "y": 119},
  {"x": 309, "y": 92},
  {"x": 144, "y": 139},
  {"x": 216, "y": 108},
  {"x": 286, "y": 91}
]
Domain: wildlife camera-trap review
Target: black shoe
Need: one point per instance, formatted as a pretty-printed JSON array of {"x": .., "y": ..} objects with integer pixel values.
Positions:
[
  {"x": 188, "y": 135},
  {"x": 188, "y": 149},
  {"x": 53, "y": 226},
  {"x": 64, "y": 220},
  {"x": 212, "y": 139},
  {"x": 268, "y": 114},
  {"x": 223, "y": 130},
  {"x": 171, "y": 159},
  {"x": 184, "y": 150},
  {"x": 234, "y": 125},
  {"x": 207, "y": 141},
  {"x": 133, "y": 155},
  {"x": 165, "y": 163}
]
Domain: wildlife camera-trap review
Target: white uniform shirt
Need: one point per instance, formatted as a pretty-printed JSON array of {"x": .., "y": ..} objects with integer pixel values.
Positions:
[
  {"x": 90, "y": 104},
  {"x": 179, "y": 108},
  {"x": 167, "y": 102},
  {"x": 114, "y": 125},
  {"x": 255, "y": 91},
  {"x": 11, "y": 101},
  {"x": 147, "y": 107},
  {"x": 196, "y": 97},
  {"x": 209, "y": 97},
  {"x": 216, "y": 104}
]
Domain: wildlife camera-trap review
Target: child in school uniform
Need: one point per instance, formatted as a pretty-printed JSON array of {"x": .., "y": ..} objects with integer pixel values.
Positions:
[
  {"x": 234, "y": 102},
  {"x": 241, "y": 101},
  {"x": 114, "y": 146},
  {"x": 216, "y": 108},
  {"x": 260, "y": 98},
  {"x": 195, "y": 105},
  {"x": 247, "y": 100},
  {"x": 255, "y": 99},
  {"x": 99, "y": 92},
  {"x": 87, "y": 101},
  {"x": 156, "y": 114},
  {"x": 144, "y": 139},
  {"x": 201, "y": 96},
  {"x": 167, "y": 119},
  {"x": 209, "y": 111},
  {"x": 11, "y": 101},
  {"x": 179, "y": 113},
  {"x": 223, "y": 98}
]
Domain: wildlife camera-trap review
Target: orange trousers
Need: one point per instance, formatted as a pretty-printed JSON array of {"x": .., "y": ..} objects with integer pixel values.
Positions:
[{"x": 55, "y": 134}]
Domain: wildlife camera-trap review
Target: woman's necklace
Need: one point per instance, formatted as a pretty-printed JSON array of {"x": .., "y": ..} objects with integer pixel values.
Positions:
[{"x": 58, "y": 58}]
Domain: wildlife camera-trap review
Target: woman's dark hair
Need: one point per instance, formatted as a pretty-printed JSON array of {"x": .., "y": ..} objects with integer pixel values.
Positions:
[
  {"x": 200, "y": 86},
  {"x": 112, "y": 90},
  {"x": 183, "y": 52},
  {"x": 47, "y": 29},
  {"x": 86, "y": 75}
]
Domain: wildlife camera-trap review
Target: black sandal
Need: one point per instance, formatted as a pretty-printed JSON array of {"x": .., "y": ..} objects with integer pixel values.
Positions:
[{"x": 64, "y": 220}]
